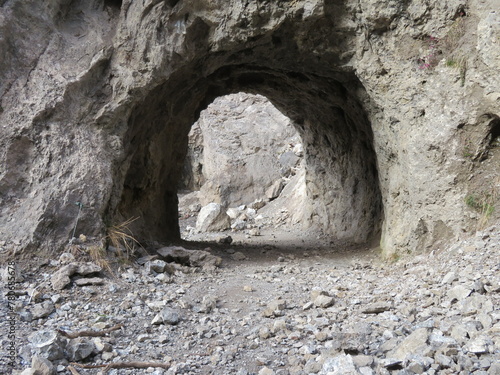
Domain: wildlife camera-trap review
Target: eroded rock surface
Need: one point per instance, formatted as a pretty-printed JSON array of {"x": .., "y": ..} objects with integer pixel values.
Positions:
[{"x": 396, "y": 104}]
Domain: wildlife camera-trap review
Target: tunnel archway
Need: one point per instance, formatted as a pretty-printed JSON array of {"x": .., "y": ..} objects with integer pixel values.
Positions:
[
  {"x": 342, "y": 178},
  {"x": 323, "y": 98}
]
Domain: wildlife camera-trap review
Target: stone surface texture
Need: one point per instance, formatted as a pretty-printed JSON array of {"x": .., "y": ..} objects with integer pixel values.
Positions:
[
  {"x": 397, "y": 104},
  {"x": 235, "y": 149}
]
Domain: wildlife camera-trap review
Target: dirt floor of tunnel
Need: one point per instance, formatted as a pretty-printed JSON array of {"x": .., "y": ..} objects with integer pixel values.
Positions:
[{"x": 279, "y": 245}]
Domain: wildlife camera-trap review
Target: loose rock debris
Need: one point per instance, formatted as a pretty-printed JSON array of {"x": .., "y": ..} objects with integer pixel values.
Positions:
[{"x": 312, "y": 311}]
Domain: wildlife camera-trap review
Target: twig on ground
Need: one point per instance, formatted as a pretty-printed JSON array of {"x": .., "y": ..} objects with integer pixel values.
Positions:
[
  {"x": 124, "y": 365},
  {"x": 104, "y": 332},
  {"x": 73, "y": 370}
]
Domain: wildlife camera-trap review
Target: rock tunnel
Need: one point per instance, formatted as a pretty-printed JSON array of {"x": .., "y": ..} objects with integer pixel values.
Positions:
[
  {"x": 326, "y": 107},
  {"x": 99, "y": 100}
]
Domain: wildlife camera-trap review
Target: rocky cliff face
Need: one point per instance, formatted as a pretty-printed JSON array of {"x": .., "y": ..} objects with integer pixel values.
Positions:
[
  {"x": 239, "y": 148},
  {"x": 396, "y": 102}
]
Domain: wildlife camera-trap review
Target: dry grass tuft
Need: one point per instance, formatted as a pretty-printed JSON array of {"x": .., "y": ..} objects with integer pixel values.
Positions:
[
  {"x": 121, "y": 237},
  {"x": 98, "y": 255}
]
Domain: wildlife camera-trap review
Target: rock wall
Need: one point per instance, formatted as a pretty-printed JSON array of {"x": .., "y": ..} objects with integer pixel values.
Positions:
[
  {"x": 238, "y": 150},
  {"x": 97, "y": 99}
]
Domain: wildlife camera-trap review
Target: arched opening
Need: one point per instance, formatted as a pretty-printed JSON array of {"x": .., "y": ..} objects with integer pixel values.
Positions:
[
  {"x": 245, "y": 157},
  {"x": 327, "y": 111}
]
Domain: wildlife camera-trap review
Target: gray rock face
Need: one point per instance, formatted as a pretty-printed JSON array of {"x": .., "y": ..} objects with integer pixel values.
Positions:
[
  {"x": 240, "y": 138},
  {"x": 97, "y": 99}
]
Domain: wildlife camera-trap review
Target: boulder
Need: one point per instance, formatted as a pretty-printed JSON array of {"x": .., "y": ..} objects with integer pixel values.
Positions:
[{"x": 213, "y": 218}]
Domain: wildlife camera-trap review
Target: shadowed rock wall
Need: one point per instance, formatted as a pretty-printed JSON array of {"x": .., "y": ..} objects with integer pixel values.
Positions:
[{"x": 97, "y": 99}]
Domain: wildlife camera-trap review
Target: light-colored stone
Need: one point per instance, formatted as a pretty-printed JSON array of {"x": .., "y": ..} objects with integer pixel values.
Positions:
[
  {"x": 459, "y": 293},
  {"x": 167, "y": 316},
  {"x": 80, "y": 348},
  {"x": 43, "y": 309},
  {"x": 42, "y": 366},
  {"x": 376, "y": 307},
  {"x": 339, "y": 365},
  {"x": 89, "y": 281},
  {"x": 415, "y": 343},
  {"x": 324, "y": 301},
  {"x": 212, "y": 218}
]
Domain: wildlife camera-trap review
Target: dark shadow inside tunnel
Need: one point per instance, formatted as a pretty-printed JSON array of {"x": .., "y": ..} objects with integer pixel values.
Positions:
[{"x": 328, "y": 112}]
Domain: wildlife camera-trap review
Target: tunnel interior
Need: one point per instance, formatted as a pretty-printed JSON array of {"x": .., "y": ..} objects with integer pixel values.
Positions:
[
  {"x": 245, "y": 155},
  {"x": 327, "y": 105},
  {"x": 342, "y": 180}
]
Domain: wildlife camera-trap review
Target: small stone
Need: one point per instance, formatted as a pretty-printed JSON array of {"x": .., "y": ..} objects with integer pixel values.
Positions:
[
  {"x": 247, "y": 288},
  {"x": 275, "y": 308},
  {"x": 366, "y": 371},
  {"x": 479, "y": 345},
  {"x": 415, "y": 343},
  {"x": 89, "y": 281},
  {"x": 458, "y": 293},
  {"x": 212, "y": 218},
  {"x": 339, "y": 365},
  {"x": 391, "y": 363},
  {"x": 88, "y": 268},
  {"x": 266, "y": 371},
  {"x": 80, "y": 348},
  {"x": 238, "y": 256},
  {"x": 61, "y": 278},
  {"x": 362, "y": 360},
  {"x": 42, "y": 366},
  {"x": 42, "y": 310},
  {"x": 47, "y": 344},
  {"x": 321, "y": 336},
  {"x": 163, "y": 339},
  {"x": 166, "y": 316},
  {"x": 106, "y": 356},
  {"x": 323, "y": 301},
  {"x": 308, "y": 305},
  {"x": 494, "y": 369},
  {"x": 443, "y": 360},
  {"x": 56, "y": 298},
  {"x": 275, "y": 189},
  {"x": 29, "y": 371},
  {"x": 376, "y": 307},
  {"x": 449, "y": 278}
]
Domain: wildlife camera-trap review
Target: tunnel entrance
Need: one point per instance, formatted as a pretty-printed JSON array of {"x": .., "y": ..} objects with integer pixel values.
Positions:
[
  {"x": 328, "y": 112},
  {"x": 246, "y": 156}
]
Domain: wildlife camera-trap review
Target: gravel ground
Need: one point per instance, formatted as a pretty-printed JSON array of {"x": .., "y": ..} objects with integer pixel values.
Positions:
[{"x": 281, "y": 308}]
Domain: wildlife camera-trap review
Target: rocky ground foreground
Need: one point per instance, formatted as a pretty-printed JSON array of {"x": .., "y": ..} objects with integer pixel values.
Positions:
[{"x": 296, "y": 308}]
